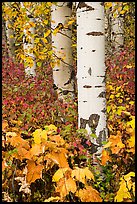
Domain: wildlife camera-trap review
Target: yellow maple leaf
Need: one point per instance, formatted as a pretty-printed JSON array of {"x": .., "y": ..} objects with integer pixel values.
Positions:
[
  {"x": 60, "y": 173},
  {"x": 50, "y": 128},
  {"x": 65, "y": 186},
  {"x": 38, "y": 135},
  {"x": 125, "y": 187},
  {"x": 81, "y": 174}
]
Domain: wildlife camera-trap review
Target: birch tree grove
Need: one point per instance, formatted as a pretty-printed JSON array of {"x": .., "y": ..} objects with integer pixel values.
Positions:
[
  {"x": 61, "y": 43},
  {"x": 91, "y": 70}
]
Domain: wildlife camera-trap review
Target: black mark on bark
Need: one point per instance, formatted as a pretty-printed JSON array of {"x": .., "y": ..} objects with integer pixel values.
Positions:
[
  {"x": 98, "y": 19},
  {"x": 93, "y": 50},
  {"x": 100, "y": 76},
  {"x": 104, "y": 110},
  {"x": 83, "y": 123},
  {"x": 84, "y": 101},
  {"x": 95, "y": 33},
  {"x": 101, "y": 136},
  {"x": 102, "y": 94},
  {"x": 102, "y": 3},
  {"x": 84, "y": 5},
  {"x": 90, "y": 71},
  {"x": 93, "y": 121},
  {"x": 81, "y": 48},
  {"x": 87, "y": 86},
  {"x": 98, "y": 86},
  {"x": 72, "y": 77}
]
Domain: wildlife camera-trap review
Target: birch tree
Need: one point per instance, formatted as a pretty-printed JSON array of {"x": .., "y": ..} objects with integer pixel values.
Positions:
[
  {"x": 61, "y": 44},
  {"x": 10, "y": 34},
  {"x": 28, "y": 43},
  {"x": 91, "y": 70},
  {"x": 117, "y": 26}
]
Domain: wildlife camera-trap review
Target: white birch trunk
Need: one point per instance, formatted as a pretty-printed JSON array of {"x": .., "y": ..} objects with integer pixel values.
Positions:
[
  {"x": 28, "y": 46},
  {"x": 10, "y": 37},
  {"x": 117, "y": 29},
  {"x": 91, "y": 70},
  {"x": 62, "y": 47}
]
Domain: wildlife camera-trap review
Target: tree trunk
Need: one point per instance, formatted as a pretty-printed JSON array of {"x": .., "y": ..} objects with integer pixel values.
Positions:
[
  {"x": 91, "y": 70},
  {"x": 117, "y": 28},
  {"x": 28, "y": 44},
  {"x": 61, "y": 43},
  {"x": 10, "y": 37}
]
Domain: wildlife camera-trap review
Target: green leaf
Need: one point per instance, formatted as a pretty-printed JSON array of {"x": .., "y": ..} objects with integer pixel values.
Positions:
[
  {"x": 93, "y": 135},
  {"x": 39, "y": 64}
]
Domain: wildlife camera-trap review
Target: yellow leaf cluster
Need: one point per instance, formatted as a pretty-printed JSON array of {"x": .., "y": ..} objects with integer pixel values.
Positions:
[
  {"x": 60, "y": 173},
  {"x": 39, "y": 135},
  {"x": 125, "y": 186},
  {"x": 82, "y": 174}
]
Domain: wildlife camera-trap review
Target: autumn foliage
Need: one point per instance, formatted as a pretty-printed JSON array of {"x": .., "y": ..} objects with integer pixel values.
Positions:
[{"x": 45, "y": 157}]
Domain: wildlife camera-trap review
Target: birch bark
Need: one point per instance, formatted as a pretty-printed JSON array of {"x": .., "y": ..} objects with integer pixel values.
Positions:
[
  {"x": 10, "y": 36},
  {"x": 117, "y": 28},
  {"x": 28, "y": 45},
  {"x": 61, "y": 44},
  {"x": 91, "y": 70}
]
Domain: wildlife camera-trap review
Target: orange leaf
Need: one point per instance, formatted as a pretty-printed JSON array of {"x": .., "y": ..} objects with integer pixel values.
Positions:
[
  {"x": 64, "y": 186},
  {"x": 59, "y": 157},
  {"x": 115, "y": 143},
  {"x": 36, "y": 149},
  {"x": 57, "y": 139},
  {"x": 21, "y": 153},
  {"x": 34, "y": 171},
  {"x": 4, "y": 125},
  {"x": 16, "y": 141},
  {"x": 105, "y": 157},
  {"x": 89, "y": 195}
]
